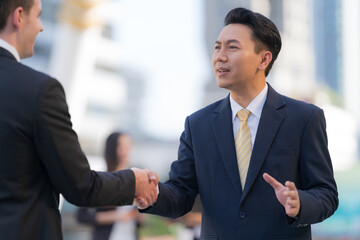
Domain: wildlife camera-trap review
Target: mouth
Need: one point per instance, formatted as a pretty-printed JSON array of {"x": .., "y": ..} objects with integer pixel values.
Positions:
[{"x": 222, "y": 70}]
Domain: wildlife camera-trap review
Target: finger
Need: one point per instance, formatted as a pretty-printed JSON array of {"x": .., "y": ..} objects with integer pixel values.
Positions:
[
  {"x": 290, "y": 185},
  {"x": 141, "y": 206},
  {"x": 144, "y": 200},
  {"x": 148, "y": 200},
  {"x": 151, "y": 196},
  {"x": 293, "y": 195},
  {"x": 154, "y": 177},
  {"x": 140, "y": 202},
  {"x": 154, "y": 194},
  {"x": 154, "y": 191},
  {"x": 292, "y": 203},
  {"x": 272, "y": 181},
  {"x": 292, "y": 211}
]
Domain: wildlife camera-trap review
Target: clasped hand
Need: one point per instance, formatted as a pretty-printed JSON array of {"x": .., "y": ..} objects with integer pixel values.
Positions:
[
  {"x": 287, "y": 195},
  {"x": 145, "y": 187}
]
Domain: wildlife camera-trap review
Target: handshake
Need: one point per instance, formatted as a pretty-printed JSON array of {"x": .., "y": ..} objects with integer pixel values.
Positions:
[{"x": 146, "y": 187}]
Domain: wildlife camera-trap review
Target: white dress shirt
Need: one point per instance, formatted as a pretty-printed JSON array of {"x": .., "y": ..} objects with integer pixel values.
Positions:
[
  {"x": 255, "y": 107},
  {"x": 10, "y": 48}
]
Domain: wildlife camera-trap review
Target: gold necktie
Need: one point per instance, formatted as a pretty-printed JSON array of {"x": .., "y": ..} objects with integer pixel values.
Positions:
[{"x": 243, "y": 145}]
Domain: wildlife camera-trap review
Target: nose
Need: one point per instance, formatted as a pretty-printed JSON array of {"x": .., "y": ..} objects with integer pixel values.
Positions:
[
  {"x": 220, "y": 55},
  {"x": 41, "y": 26}
]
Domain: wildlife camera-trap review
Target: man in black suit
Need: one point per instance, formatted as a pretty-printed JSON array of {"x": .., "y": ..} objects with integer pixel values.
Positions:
[
  {"x": 258, "y": 159},
  {"x": 40, "y": 156}
]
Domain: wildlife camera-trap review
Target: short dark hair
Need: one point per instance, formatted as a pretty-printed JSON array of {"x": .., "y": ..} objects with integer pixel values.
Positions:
[
  {"x": 7, "y": 6},
  {"x": 265, "y": 33}
]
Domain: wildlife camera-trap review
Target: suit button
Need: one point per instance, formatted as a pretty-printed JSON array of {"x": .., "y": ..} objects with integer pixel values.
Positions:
[{"x": 242, "y": 215}]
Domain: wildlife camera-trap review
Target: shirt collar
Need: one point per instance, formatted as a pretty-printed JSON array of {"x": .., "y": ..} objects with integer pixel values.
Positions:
[
  {"x": 10, "y": 48},
  {"x": 255, "y": 107}
]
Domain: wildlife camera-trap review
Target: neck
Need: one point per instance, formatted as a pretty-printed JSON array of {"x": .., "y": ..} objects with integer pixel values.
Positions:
[
  {"x": 244, "y": 95},
  {"x": 8, "y": 37},
  {"x": 9, "y": 47},
  {"x": 10, "y": 34}
]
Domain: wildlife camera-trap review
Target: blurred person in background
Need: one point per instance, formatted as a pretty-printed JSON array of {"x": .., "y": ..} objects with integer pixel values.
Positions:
[
  {"x": 114, "y": 223},
  {"x": 40, "y": 156},
  {"x": 258, "y": 159}
]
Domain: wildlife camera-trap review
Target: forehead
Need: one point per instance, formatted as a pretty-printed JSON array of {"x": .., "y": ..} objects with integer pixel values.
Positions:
[
  {"x": 124, "y": 138},
  {"x": 238, "y": 32}
]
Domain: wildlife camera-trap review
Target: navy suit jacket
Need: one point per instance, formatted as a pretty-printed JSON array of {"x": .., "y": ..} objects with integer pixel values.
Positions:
[
  {"x": 40, "y": 157},
  {"x": 291, "y": 144}
]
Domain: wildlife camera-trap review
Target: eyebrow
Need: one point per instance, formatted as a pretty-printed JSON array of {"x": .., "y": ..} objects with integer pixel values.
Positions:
[{"x": 228, "y": 41}]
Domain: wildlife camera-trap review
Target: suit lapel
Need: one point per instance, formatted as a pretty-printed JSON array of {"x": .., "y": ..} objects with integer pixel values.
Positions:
[
  {"x": 222, "y": 127},
  {"x": 6, "y": 53},
  {"x": 269, "y": 124}
]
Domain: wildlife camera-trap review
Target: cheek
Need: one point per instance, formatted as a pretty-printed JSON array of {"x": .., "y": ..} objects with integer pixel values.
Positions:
[
  {"x": 244, "y": 64},
  {"x": 118, "y": 151},
  {"x": 214, "y": 59}
]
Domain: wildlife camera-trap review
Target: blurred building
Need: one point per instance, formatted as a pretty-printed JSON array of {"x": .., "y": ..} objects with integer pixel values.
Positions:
[
  {"x": 350, "y": 15},
  {"x": 336, "y": 38},
  {"x": 328, "y": 43},
  {"x": 80, "y": 48}
]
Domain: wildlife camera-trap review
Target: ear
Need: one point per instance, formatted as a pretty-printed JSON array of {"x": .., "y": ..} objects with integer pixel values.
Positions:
[
  {"x": 17, "y": 17},
  {"x": 266, "y": 58}
]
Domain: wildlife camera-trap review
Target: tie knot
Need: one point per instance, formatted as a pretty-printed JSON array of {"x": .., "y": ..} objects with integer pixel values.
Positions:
[{"x": 243, "y": 114}]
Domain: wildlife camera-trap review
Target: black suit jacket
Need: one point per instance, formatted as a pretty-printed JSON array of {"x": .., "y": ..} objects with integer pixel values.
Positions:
[
  {"x": 40, "y": 157},
  {"x": 290, "y": 144}
]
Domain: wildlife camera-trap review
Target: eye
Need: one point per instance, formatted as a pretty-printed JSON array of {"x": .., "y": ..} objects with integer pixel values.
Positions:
[
  {"x": 217, "y": 47},
  {"x": 233, "y": 47}
]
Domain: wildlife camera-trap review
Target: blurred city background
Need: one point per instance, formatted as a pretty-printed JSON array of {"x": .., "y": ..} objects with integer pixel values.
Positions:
[{"x": 142, "y": 66}]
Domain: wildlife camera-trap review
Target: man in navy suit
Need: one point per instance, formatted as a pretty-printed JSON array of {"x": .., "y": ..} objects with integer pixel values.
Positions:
[
  {"x": 40, "y": 155},
  {"x": 289, "y": 183}
]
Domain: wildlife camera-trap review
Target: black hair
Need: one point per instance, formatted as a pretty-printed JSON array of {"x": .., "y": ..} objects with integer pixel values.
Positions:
[{"x": 265, "y": 33}]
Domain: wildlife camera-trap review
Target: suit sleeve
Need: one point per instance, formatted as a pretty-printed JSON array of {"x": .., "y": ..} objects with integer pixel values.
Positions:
[
  {"x": 65, "y": 163},
  {"x": 318, "y": 194},
  {"x": 177, "y": 195}
]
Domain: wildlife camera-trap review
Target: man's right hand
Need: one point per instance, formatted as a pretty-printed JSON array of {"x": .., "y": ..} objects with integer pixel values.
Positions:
[{"x": 145, "y": 186}]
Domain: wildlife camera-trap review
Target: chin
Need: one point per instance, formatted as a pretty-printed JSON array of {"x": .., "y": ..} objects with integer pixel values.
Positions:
[
  {"x": 27, "y": 55},
  {"x": 222, "y": 84}
]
